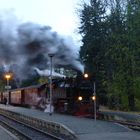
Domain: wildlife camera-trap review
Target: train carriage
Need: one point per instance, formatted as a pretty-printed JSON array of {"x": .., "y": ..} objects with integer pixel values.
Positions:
[
  {"x": 65, "y": 95},
  {"x": 15, "y": 97}
]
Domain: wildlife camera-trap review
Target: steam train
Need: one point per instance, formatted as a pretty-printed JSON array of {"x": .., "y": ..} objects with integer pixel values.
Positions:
[{"x": 68, "y": 96}]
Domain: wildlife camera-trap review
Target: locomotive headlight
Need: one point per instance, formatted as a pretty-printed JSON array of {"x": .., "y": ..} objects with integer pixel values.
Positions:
[
  {"x": 93, "y": 97},
  {"x": 80, "y": 98}
]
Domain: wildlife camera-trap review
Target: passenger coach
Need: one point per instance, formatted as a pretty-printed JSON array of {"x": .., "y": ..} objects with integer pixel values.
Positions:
[{"x": 68, "y": 96}]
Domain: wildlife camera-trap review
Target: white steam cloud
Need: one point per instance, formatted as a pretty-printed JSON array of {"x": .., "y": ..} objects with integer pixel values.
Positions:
[{"x": 27, "y": 45}]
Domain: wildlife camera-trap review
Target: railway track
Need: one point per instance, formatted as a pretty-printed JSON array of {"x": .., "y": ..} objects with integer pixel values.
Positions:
[
  {"x": 51, "y": 129},
  {"x": 24, "y": 131},
  {"x": 132, "y": 125}
]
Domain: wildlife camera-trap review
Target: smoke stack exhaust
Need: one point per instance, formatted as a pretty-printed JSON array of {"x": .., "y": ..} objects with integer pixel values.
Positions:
[{"x": 27, "y": 45}]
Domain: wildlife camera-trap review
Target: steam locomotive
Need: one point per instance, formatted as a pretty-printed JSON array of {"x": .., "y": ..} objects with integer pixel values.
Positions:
[{"x": 69, "y": 96}]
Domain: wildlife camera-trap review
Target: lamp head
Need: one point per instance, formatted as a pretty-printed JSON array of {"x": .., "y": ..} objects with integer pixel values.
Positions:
[
  {"x": 50, "y": 54},
  {"x": 7, "y": 76},
  {"x": 80, "y": 98}
]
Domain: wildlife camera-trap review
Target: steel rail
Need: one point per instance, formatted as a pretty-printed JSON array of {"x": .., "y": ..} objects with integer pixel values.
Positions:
[
  {"x": 14, "y": 131},
  {"x": 23, "y": 134},
  {"x": 53, "y": 128}
]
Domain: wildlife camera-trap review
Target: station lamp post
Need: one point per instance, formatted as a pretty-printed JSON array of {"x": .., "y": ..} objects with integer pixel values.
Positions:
[
  {"x": 51, "y": 56},
  {"x": 94, "y": 99},
  {"x": 7, "y": 87},
  {"x": 7, "y": 76}
]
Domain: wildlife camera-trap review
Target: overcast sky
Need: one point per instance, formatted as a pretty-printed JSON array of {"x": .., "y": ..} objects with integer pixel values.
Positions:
[{"x": 59, "y": 14}]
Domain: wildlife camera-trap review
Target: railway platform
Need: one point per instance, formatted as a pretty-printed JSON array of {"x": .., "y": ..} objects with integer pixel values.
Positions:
[{"x": 83, "y": 128}]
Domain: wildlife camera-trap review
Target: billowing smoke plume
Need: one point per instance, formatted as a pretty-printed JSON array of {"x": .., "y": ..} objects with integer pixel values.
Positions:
[{"x": 27, "y": 45}]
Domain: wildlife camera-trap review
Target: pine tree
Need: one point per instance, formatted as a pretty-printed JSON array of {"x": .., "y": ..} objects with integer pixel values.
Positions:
[{"x": 93, "y": 29}]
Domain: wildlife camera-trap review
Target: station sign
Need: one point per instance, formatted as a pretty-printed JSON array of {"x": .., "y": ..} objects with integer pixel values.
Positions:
[{"x": 7, "y": 87}]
